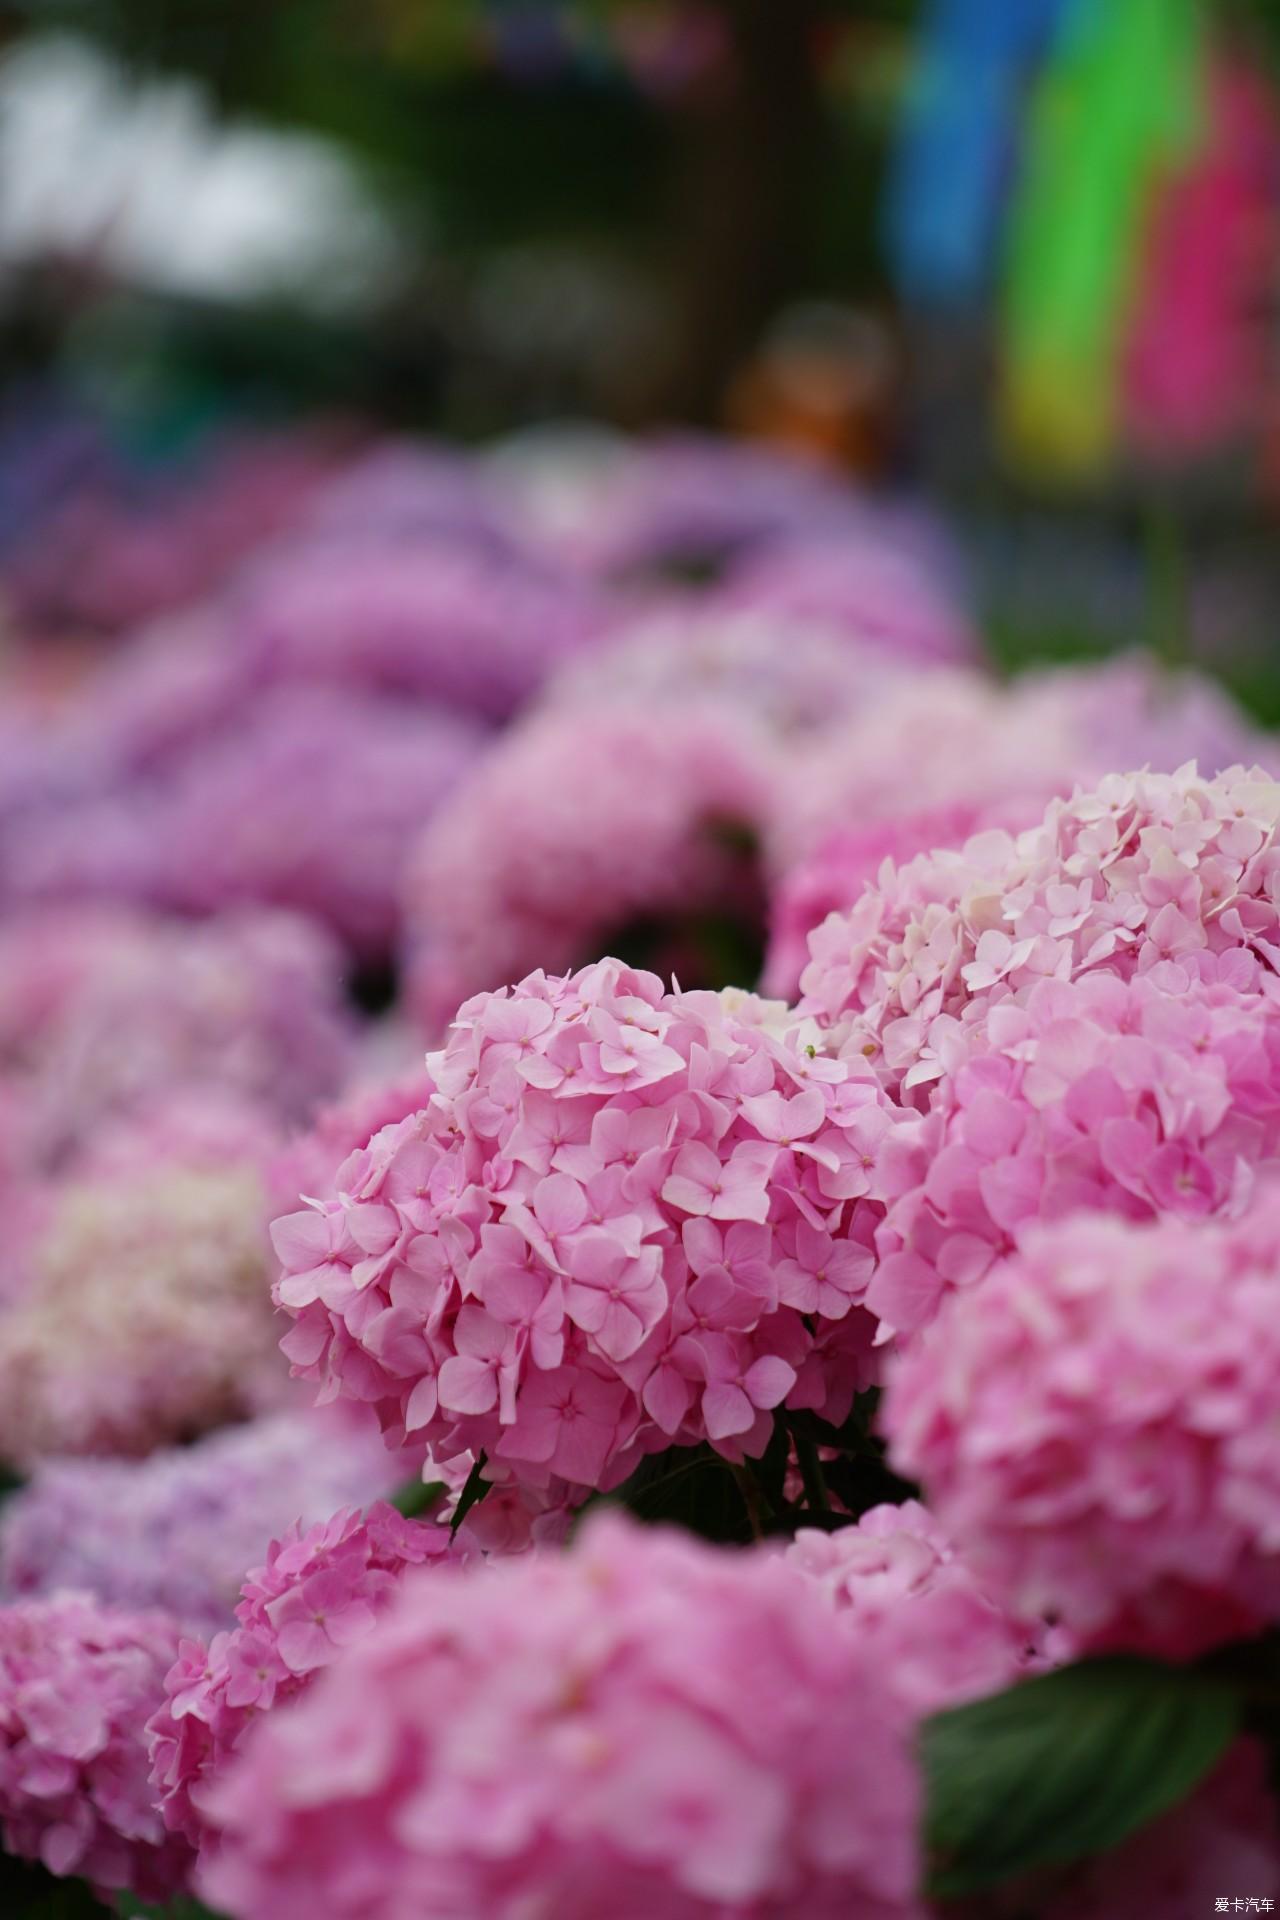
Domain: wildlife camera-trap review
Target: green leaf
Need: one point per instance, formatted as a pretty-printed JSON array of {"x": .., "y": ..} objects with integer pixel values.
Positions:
[
  {"x": 691, "y": 1487},
  {"x": 1065, "y": 1765},
  {"x": 474, "y": 1491},
  {"x": 417, "y": 1497}
]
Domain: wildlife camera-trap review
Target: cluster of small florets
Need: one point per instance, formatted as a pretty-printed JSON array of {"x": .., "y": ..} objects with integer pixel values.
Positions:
[
  {"x": 319, "y": 1592},
  {"x": 1148, "y": 867},
  {"x": 1150, "y": 1096},
  {"x": 625, "y": 1218},
  {"x": 581, "y": 822},
  {"x": 434, "y": 618},
  {"x": 177, "y": 1529},
  {"x": 895, "y": 1577},
  {"x": 105, "y": 1009},
  {"x": 955, "y": 739},
  {"x": 309, "y": 800},
  {"x": 1094, "y": 1426},
  {"x": 142, "y": 1314},
  {"x": 571, "y": 1735},
  {"x": 78, "y": 1683}
]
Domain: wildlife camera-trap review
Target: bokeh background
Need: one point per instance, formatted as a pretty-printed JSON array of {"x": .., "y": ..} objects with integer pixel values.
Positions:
[{"x": 488, "y": 483}]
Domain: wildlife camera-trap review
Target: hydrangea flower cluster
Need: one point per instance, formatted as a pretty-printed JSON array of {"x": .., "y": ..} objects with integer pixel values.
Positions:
[
  {"x": 687, "y": 502},
  {"x": 78, "y": 1683},
  {"x": 177, "y": 1530},
  {"x": 103, "y": 1010},
  {"x": 1150, "y": 1096},
  {"x": 843, "y": 865},
  {"x": 625, "y": 1218},
  {"x": 310, "y": 802},
  {"x": 954, "y": 737},
  {"x": 895, "y": 1577},
  {"x": 571, "y": 1734},
  {"x": 144, "y": 1317},
  {"x": 579, "y": 822},
  {"x": 1097, "y": 1426},
  {"x": 1145, "y": 868},
  {"x": 886, "y": 594},
  {"x": 793, "y": 680},
  {"x": 319, "y": 1592},
  {"x": 431, "y": 617}
]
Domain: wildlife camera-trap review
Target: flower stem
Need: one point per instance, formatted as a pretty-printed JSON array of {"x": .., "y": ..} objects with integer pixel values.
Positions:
[{"x": 815, "y": 1487}]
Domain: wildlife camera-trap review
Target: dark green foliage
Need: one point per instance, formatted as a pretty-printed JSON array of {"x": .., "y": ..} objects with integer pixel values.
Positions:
[{"x": 1065, "y": 1765}]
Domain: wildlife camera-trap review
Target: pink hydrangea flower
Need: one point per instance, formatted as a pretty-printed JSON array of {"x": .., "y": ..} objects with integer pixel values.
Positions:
[
  {"x": 308, "y": 799},
  {"x": 78, "y": 1683},
  {"x": 571, "y": 1734},
  {"x": 839, "y": 870},
  {"x": 1145, "y": 868},
  {"x": 319, "y": 1592},
  {"x": 896, "y": 1577},
  {"x": 141, "y": 1312},
  {"x": 177, "y": 1529},
  {"x": 954, "y": 737},
  {"x": 105, "y": 1009},
  {"x": 1097, "y": 1426},
  {"x": 1153, "y": 1095},
  {"x": 624, "y": 1218},
  {"x": 581, "y": 821},
  {"x": 431, "y": 617},
  {"x": 883, "y": 593}
]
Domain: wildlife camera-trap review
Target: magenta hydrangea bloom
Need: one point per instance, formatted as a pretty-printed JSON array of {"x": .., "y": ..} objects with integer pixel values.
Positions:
[
  {"x": 1154, "y": 1095},
  {"x": 955, "y": 737},
  {"x": 1097, "y": 1426},
  {"x": 311, "y": 802},
  {"x": 78, "y": 1683},
  {"x": 841, "y": 868},
  {"x": 896, "y": 1576},
  {"x": 105, "y": 1009},
  {"x": 178, "y": 1529},
  {"x": 432, "y": 617},
  {"x": 1144, "y": 868},
  {"x": 624, "y": 1218},
  {"x": 580, "y": 821},
  {"x": 794, "y": 679},
  {"x": 141, "y": 1312},
  {"x": 883, "y": 594},
  {"x": 570, "y": 1735},
  {"x": 319, "y": 1592},
  {"x": 690, "y": 501}
]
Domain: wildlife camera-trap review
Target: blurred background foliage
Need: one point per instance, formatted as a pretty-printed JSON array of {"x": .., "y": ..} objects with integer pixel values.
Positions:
[{"x": 713, "y": 211}]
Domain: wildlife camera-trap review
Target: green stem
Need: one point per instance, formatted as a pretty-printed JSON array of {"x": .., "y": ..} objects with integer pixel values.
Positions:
[
  {"x": 1168, "y": 588},
  {"x": 815, "y": 1487},
  {"x": 750, "y": 1500}
]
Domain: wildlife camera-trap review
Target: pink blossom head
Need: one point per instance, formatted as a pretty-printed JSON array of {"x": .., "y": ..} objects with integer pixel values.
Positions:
[
  {"x": 319, "y": 1592},
  {"x": 894, "y": 1576},
  {"x": 142, "y": 1311},
  {"x": 1096, "y": 1427},
  {"x": 78, "y": 1683},
  {"x": 882, "y": 594},
  {"x": 571, "y": 1735},
  {"x": 106, "y": 1009},
  {"x": 177, "y": 1529},
  {"x": 954, "y": 737},
  {"x": 1143, "y": 869},
  {"x": 1157, "y": 1094},
  {"x": 586, "y": 821},
  {"x": 624, "y": 1218},
  {"x": 429, "y": 616}
]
